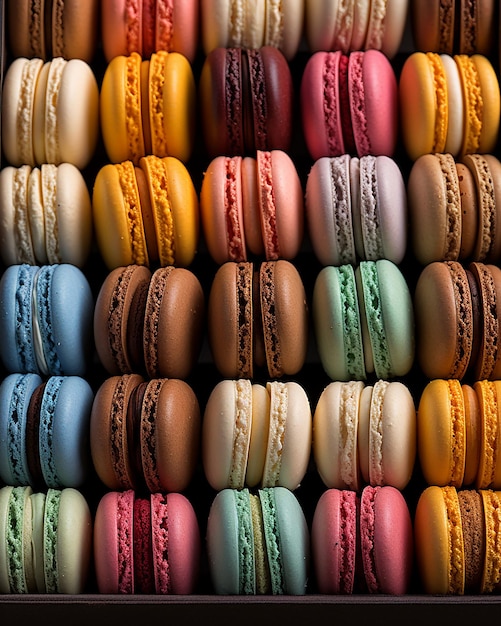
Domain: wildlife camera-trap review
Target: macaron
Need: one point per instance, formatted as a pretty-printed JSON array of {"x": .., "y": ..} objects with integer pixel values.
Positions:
[
  {"x": 149, "y": 323},
  {"x": 448, "y": 104},
  {"x": 364, "y": 434},
  {"x": 146, "y": 214},
  {"x": 256, "y": 435},
  {"x": 147, "y": 106},
  {"x": 257, "y": 319},
  {"x": 356, "y": 209},
  {"x": 363, "y": 321},
  {"x": 45, "y": 320},
  {"x": 50, "y": 112},
  {"x": 146, "y": 545},
  {"x": 45, "y": 541},
  {"x": 362, "y": 542},
  {"x": 457, "y": 540},
  {"x": 258, "y": 543},
  {"x": 45, "y": 215},
  {"x": 147, "y": 26},
  {"x": 459, "y": 433},
  {"x": 145, "y": 434},
  {"x": 455, "y": 208},
  {"x": 457, "y": 320},
  {"x": 453, "y": 27},
  {"x": 240, "y": 24},
  {"x": 252, "y": 206},
  {"x": 66, "y": 29},
  {"x": 44, "y": 426},
  {"x": 349, "y": 104},
  {"x": 352, "y": 26},
  {"x": 246, "y": 101}
]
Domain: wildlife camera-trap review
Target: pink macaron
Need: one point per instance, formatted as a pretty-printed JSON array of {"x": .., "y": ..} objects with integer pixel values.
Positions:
[
  {"x": 362, "y": 543},
  {"x": 146, "y": 544},
  {"x": 349, "y": 104},
  {"x": 146, "y": 26},
  {"x": 252, "y": 206}
]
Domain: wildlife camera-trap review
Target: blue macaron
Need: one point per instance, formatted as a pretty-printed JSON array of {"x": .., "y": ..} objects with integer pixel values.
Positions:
[
  {"x": 45, "y": 320},
  {"x": 44, "y": 430}
]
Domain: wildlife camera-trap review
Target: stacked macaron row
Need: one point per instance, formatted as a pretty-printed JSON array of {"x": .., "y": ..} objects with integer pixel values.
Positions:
[
  {"x": 170, "y": 243},
  {"x": 450, "y": 103},
  {"x": 50, "y": 132}
]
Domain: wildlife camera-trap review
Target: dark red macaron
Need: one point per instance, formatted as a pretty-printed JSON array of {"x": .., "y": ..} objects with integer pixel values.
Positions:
[{"x": 246, "y": 101}]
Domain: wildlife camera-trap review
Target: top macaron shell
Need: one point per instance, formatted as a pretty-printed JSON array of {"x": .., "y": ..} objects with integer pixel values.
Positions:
[
  {"x": 64, "y": 319},
  {"x": 360, "y": 99},
  {"x": 146, "y": 27}
]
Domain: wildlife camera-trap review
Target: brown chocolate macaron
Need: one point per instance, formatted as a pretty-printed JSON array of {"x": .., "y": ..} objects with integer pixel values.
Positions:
[
  {"x": 458, "y": 317},
  {"x": 149, "y": 323},
  {"x": 145, "y": 434},
  {"x": 258, "y": 318}
]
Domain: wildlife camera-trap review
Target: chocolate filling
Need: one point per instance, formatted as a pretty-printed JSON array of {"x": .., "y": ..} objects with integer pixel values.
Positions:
[{"x": 33, "y": 437}]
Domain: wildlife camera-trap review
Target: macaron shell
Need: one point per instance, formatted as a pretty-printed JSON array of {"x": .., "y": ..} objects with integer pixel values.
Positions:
[
  {"x": 386, "y": 539},
  {"x": 293, "y": 540},
  {"x": 373, "y": 102},
  {"x": 490, "y": 95},
  {"x": 222, "y": 210},
  {"x": 337, "y": 323},
  {"x": 281, "y": 204},
  {"x": 175, "y": 209},
  {"x": 322, "y": 127},
  {"x": 435, "y": 208},
  {"x": 175, "y": 434},
  {"x": 118, "y": 221},
  {"x": 329, "y": 209},
  {"x": 226, "y": 431},
  {"x": 442, "y": 435},
  {"x": 19, "y": 85},
  {"x": 284, "y": 317},
  {"x": 70, "y": 291},
  {"x": 222, "y": 539},
  {"x": 438, "y": 541},
  {"x": 387, "y": 434},
  {"x": 74, "y": 542},
  {"x": 173, "y": 323},
  {"x": 15, "y": 394},
  {"x": 333, "y": 538},
  {"x": 112, "y": 542},
  {"x": 112, "y": 457},
  {"x": 184, "y": 544},
  {"x": 441, "y": 352},
  {"x": 290, "y": 433},
  {"x": 15, "y": 239},
  {"x": 335, "y": 435},
  {"x": 116, "y": 328},
  {"x": 65, "y": 457},
  {"x": 489, "y": 470},
  {"x": 418, "y": 103}
]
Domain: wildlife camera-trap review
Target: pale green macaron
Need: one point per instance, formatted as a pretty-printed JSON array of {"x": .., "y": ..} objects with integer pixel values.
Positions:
[
  {"x": 45, "y": 541},
  {"x": 364, "y": 321},
  {"x": 258, "y": 543}
]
